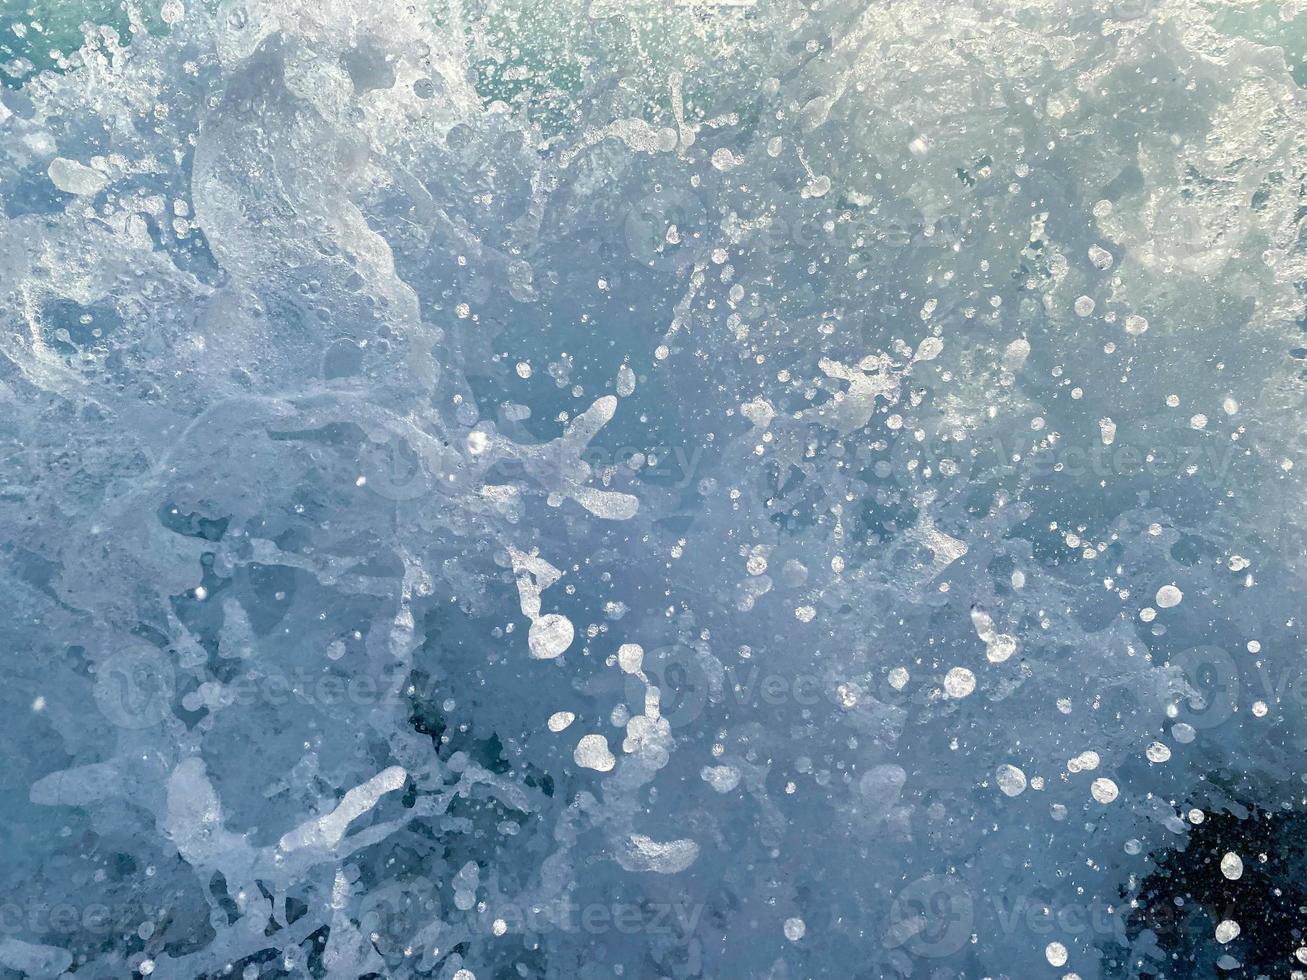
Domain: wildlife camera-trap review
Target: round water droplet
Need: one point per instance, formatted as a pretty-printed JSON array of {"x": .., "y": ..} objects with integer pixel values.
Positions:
[
  {"x": 1055, "y": 953},
  {"x": 959, "y": 682},
  {"x": 1011, "y": 780},
  {"x": 1168, "y": 596},
  {"x": 1103, "y": 790},
  {"x": 1232, "y": 866},
  {"x": 1157, "y": 752},
  {"x": 549, "y": 636}
]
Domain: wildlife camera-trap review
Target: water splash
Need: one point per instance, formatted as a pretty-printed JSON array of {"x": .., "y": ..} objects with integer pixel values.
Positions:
[{"x": 375, "y": 374}]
